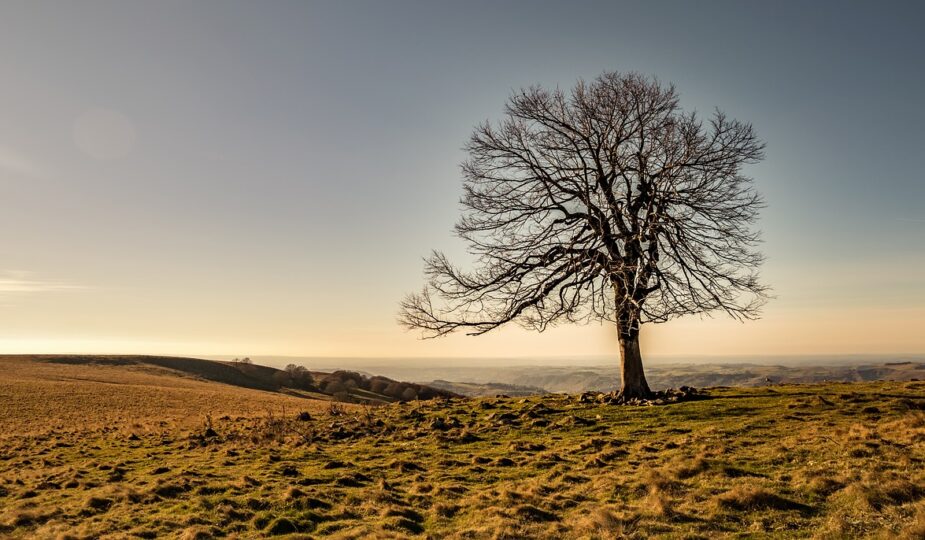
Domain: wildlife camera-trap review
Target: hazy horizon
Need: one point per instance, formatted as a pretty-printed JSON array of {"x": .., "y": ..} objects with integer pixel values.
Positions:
[
  {"x": 325, "y": 363},
  {"x": 232, "y": 178}
]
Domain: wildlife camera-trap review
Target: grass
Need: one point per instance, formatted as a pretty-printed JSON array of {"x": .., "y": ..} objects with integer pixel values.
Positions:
[
  {"x": 823, "y": 461},
  {"x": 48, "y": 397},
  {"x": 343, "y": 386}
]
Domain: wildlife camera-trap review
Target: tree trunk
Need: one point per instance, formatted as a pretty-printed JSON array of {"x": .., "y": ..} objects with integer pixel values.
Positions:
[{"x": 634, "y": 378}]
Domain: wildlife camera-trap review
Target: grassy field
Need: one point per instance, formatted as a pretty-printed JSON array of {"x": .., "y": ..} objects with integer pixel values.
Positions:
[
  {"x": 48, "y": 398},
  {"x": 97, "y": 451}
]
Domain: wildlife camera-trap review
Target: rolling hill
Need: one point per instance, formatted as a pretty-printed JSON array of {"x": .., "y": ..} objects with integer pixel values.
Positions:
[{"x": 347, "y": 385}]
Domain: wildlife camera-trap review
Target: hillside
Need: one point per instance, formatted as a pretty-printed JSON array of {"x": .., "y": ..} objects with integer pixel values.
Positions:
[
  {"x": 832, "y": 460},
  {"x": 340, "y": 385},
  {"x": 42, "y": 394}
]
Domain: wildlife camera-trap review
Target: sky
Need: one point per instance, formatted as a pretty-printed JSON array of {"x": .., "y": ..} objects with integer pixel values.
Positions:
[{"x": 264, "y": 178}]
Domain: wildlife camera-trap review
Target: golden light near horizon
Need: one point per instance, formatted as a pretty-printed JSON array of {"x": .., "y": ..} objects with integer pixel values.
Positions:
[{"x": 814, "y": 333}]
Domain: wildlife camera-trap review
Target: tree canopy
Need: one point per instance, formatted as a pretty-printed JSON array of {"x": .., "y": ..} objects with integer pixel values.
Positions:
[{"x": 605, "y": 203}]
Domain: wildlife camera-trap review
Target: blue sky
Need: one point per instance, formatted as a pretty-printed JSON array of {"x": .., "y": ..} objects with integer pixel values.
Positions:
[{"x": 264, "y": 178}]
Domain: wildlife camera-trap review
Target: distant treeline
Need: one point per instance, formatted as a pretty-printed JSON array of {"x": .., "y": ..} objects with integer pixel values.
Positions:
[{"x": 342, "y": 385}]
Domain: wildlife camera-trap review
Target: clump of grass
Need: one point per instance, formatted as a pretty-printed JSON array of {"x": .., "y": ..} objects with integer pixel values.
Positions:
[
  {"x": 528, "y": 512},
  {"x": 835, "y": 527},
  {"x": 658, "y": 503},
  {"x": 744, "y": 497},
  {"x": 406, "y": 513},
  {"x": 688, "y": 468},
  {"x": 403, "y": 524},
  {"x": 98, "y": 504},
  {"x": 658, "y": 480},
  {"x": 247, "y": 482},
  {"x": 606, "y": 522},
  {"x": 818, "y": 482},
  {"x": 915, "y": 530},
  {"x": 445, "y": 510},
  {"x": 196, "y": 533},
  {"x": 293, "y": 494},
  {"x": 909, "y": 429},
  {"x": 876, "y": 493},
  {"x": 861, "y": 432},
  {"x": 280, "y": 526}
]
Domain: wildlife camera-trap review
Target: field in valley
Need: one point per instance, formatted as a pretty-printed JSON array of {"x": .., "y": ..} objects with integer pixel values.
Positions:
[{"x": 116, "y": 451}]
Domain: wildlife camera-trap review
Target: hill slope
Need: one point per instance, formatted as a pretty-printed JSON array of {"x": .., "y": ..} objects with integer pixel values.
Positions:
[
  {"x": 835, "y": 460},
  {"x": 70, "y": 394},
  {"x": 341, "y": 385}
]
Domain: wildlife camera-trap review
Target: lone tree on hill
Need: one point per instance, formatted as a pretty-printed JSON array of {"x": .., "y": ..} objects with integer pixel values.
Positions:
[{"x": 608, "y": 203}]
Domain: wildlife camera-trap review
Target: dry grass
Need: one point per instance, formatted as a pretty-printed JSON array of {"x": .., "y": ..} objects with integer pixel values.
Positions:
[
  {"x": 97, "y": 452},
  {"x": 60, "y": 398}
]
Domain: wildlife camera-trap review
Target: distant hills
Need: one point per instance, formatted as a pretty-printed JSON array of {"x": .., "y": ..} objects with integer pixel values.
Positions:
[
  {"x": 484, "y": 381},
  {"x": 341, "y": 385},
  {"x": 382, "y": 382},
  {"x": 522, "y": 376},
  {"x": 487, "y": 389}
]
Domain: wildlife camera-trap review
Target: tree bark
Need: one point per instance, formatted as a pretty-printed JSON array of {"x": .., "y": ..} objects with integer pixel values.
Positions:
[{"x": 634, "y": 378}]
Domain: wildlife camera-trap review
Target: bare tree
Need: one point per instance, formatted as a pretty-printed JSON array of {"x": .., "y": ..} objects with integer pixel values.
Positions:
[{"x": 608, "y": 203}]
